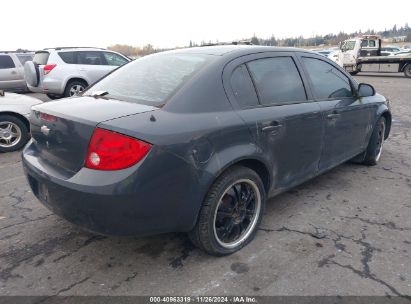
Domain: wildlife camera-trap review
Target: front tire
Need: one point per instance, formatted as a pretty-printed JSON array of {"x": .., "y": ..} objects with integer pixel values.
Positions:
[
  {"x": 231, "y": 212},
  {"x": 14, "y": 133},
  {"x": 374, "y": 149},
  {"x": 407, "y": 70}
]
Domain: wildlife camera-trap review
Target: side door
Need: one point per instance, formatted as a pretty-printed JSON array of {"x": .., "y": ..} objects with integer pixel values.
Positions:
[
  {"x": 92, "y": 65},
  {"x": 347, "y": 118},
  {"x": 270, "y": 96},
  {"x": 9, "y": 78}
]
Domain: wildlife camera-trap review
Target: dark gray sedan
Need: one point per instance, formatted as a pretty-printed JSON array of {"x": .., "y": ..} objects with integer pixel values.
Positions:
[{"x": 196, "y": 140}]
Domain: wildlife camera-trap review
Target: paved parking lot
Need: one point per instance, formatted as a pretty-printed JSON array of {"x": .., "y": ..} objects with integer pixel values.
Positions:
[{"x": 347, "y": 232}]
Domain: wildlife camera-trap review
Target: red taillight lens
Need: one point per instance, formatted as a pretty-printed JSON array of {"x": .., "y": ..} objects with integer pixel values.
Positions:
[
  {"x": 47, "y": 117},
  {"x": 109, "y": 150},
  {"x": 47, "y": 68}
]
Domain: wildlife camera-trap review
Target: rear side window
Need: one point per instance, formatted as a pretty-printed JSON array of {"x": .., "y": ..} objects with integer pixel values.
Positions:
[
  {"x": 327, "y": 81},
  {"x": 24, "y": 58},
  {"x": 114, "y": 59},
  {"x": 90, "y": 58},
  {"x": 243, "y": 88},
  {"x": 277, "y": 80},
  {"x": 41, "y": 58},
  {"x": 68, "y": 57},
  {"x": 6, "y": 62}
]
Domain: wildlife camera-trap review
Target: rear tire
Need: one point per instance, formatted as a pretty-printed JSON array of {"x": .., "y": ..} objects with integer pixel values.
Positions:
[
  {"x": 52, "y": 96},
  {"x": 354, "y": 73},
  {"x": 74, "y": 87},
  {"x": 407, "y": 70},
  {"x": 231, "y": 212},
  {"x": 14, "y": 133},
  {"x": 374, "y": 149}
]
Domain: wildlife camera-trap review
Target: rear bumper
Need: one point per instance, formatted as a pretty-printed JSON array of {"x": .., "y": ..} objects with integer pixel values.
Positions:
[
  {"x": 49, "y": 86},
  {"x": 118, "y": 202}
]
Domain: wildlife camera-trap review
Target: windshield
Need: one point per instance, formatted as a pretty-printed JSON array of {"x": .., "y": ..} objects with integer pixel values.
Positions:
[
  {"x": 348, "y": 46},
  {"x": 151, "y": 80}
]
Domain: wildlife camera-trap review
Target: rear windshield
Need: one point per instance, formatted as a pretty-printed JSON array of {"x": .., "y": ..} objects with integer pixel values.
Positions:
[
  {"x": 151, "y": 80},
  {"x": 41, "y": 58}
]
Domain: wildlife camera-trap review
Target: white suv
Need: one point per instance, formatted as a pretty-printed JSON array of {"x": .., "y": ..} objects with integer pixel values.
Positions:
[
  {"x": 12, "y": 71},
  {"x": 64, "y": 72}
]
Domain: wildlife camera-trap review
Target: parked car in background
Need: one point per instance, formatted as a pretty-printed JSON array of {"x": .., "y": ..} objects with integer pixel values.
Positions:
[
  {"x": 390, "y": 50},
  {"x": 404, "y": 52},
  {"x": 14, "y": 120},
  {"x": 197, "y": 139},
  {"x": 12, "y": 70},
  {"x": 324, "y": 52},
  {"x": 64, "y": 72}
]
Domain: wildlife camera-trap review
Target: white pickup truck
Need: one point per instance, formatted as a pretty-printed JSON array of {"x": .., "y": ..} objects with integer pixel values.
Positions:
[{"x": 363, "y": 54}]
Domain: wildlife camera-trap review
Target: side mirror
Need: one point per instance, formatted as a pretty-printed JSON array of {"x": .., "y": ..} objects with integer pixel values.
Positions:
[{"x": 365, "y": 90}]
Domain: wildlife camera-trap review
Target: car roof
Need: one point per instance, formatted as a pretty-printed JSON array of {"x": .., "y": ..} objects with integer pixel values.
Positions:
[
  {"x": 78, "y": 48},
  {"x": 15, "y": 53},
  {"x": 222, "y": 50}
]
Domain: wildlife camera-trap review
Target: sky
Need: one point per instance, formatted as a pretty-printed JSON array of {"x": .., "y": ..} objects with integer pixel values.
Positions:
[{"x": 37, "y": 24}]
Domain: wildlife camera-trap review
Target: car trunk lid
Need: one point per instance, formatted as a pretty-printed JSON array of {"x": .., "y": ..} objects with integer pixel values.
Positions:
[{"x": 61, "y": 130}]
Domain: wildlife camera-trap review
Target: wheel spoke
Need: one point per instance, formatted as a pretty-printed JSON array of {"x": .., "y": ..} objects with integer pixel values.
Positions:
[
  {"x": 237, "y": 193},
  {"x": 223, "y": 214}
]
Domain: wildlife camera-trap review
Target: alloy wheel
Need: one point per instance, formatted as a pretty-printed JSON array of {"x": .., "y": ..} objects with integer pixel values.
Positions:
[
  {"x": 237, "y": 213},
  {"x": 76, "y": 89},
  {"x": 380, "y": 142},
  {"x": 10, "y": 134}
]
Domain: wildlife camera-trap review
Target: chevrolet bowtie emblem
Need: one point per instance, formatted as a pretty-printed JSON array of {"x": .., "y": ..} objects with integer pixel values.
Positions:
[{"x": 45, "y": 130}]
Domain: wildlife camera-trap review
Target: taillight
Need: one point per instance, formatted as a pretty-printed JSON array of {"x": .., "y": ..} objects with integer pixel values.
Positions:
[
  {"x": 109, "y": 150},
  {"x": 47, "y": 68},
  {"x": 47, "y": 117}
]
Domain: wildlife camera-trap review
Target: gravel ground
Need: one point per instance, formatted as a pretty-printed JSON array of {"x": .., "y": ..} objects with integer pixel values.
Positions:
[{"x": 347, "y": 232}]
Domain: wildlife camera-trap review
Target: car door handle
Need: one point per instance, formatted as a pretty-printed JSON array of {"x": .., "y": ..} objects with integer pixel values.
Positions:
[
  {"x": 333, "y": 115},
  {"x": 271, "y": 128}
]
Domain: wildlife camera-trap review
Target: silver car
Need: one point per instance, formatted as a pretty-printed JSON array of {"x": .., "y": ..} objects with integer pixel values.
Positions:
[
  {"x": 64, "y": 72},
  {"x": 14, "y": 120},
  {"x": 12, "y": 70}
]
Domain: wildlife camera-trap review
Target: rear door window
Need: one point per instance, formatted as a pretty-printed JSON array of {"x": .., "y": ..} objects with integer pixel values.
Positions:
[
  {"x": 114, "y": 59},
  {"x": 41, "y": 58},
  {"x": 68, "y": 57},
  {"x": 91, "y": 58},
  {"x": 6, "y": 62},
  {"x": 243, "y": 88},
  {"x": 277, "y": 80},
  {"x": 327, "y": 81},
  {"x": 24, "y": 58}
]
